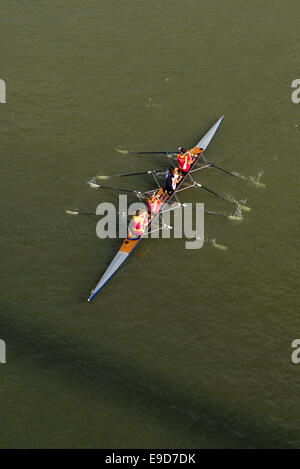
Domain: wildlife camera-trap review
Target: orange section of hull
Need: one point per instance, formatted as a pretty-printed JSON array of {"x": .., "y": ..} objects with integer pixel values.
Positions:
[
  {"x": 128, "y": 245},
  {"x": 195, "y": 151}
]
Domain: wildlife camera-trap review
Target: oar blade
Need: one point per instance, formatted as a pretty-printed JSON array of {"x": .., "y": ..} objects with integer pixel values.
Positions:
[
  {"x": 92, "y": 184},
  {"x": 72, "y": 212}
]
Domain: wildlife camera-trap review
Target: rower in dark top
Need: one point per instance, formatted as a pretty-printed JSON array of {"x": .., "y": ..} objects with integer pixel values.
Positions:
[{"x": 168, "y": 187}]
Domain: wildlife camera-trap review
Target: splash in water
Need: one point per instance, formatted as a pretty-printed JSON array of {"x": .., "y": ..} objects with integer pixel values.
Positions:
[
  {"x": 256, "y": 179},
  {"x": 121, "y": 150},
  {"x": 241, "y": 206},
  {"x": 216, "y": 245},
  {"x": 152, "y": 104},
  {"x": 212, "y": 242},
  {"x": 237, "y": 214},
  {"x": 72, "y": 212}
]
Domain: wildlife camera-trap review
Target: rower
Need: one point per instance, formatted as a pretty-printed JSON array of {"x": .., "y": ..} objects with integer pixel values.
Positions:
[
  {"x": 176, "y": 178},
  {"x": 168, "y": 187},
  {"x": 173, "y": 178},
  {"x": 153, "y": 204},
  {"x": 139, "y": 224},
  {"x": 185, "y": 160}
]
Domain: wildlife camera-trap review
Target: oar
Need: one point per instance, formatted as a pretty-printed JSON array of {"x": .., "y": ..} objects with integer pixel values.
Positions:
[
  {"x": 209, "y": 212},
  {"x": 214, "y": 193},
  {"x": 221, "y": 215},
  {"x": 225, "y": 170},
  {"x": 230, "y": 217},
  {"x": 93, "y": 185},
  {"x": 153, "y": 171},
  {"x": 228, "y": 172},
  {"x": 152, "y": 152},
  {"x": 239, "y": 176},
  {"x": 243, "y": 207},
  {"x": 231, "y": 173},
  {"x": 155, "y": 153},
  {"x": 77, "y": 212},
  {"x": 163, "y": 227}
]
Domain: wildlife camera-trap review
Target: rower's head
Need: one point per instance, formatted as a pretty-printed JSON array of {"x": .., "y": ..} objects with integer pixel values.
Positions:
[
  {"x": 181, "y": 150},
  {"x": 171, "y": 170},
  {"x": 138, "y": 213}
]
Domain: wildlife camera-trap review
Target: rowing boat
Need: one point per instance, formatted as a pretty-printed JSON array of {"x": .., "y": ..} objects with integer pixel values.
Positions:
[{"x": 129, "y": 245}]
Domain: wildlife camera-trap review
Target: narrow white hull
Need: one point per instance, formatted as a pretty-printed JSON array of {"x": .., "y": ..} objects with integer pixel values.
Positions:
[
  {"x": 205, "y": 141},
  {"x": 115, "y": 264}
]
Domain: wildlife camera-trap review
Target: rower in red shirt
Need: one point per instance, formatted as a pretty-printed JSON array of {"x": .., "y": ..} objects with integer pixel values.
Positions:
[
  {"x": 153, "y": 204},
  {"x": 139, "y": 224},
  {"x": 185, "y": 160}
]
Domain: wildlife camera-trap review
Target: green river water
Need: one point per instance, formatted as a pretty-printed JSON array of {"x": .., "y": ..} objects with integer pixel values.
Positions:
[{"x": 184, "y": 348}]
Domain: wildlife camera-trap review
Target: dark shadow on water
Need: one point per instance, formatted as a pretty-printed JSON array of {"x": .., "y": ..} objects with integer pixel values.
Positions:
[{"x": 136, "y": 389}]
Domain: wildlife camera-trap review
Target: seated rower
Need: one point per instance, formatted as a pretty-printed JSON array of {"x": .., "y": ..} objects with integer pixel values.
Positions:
[
  {"x": 153, "y": 203},
  {"x": 168, "y": 187},
  {"x": 139, "y": 224},
  {"x": 173, "y": 177},
  {"x": 174, "y": 172},
  {"x": 169, "y": 171},
  {"x": 176, "y": 177},
  {"x": 185, "y": 160}
]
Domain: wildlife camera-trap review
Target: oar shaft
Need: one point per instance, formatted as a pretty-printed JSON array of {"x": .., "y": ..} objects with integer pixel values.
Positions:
[
  {"x": 119, "y": 189},
  {"x": 215, "y": 213},
  {"x": 76, "y": 212},
  {"x": 215, "y": 194},
  {"x": 223, "y": 169},
  {"x": 86, "y": 213},
  {"x": 93, "y": 185},
  {"x": 213, "y": 165},
  {"x": 152, "y": 152},
  {"x": 133, "y": 174},
  {"x": 154, "y": 171}
]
